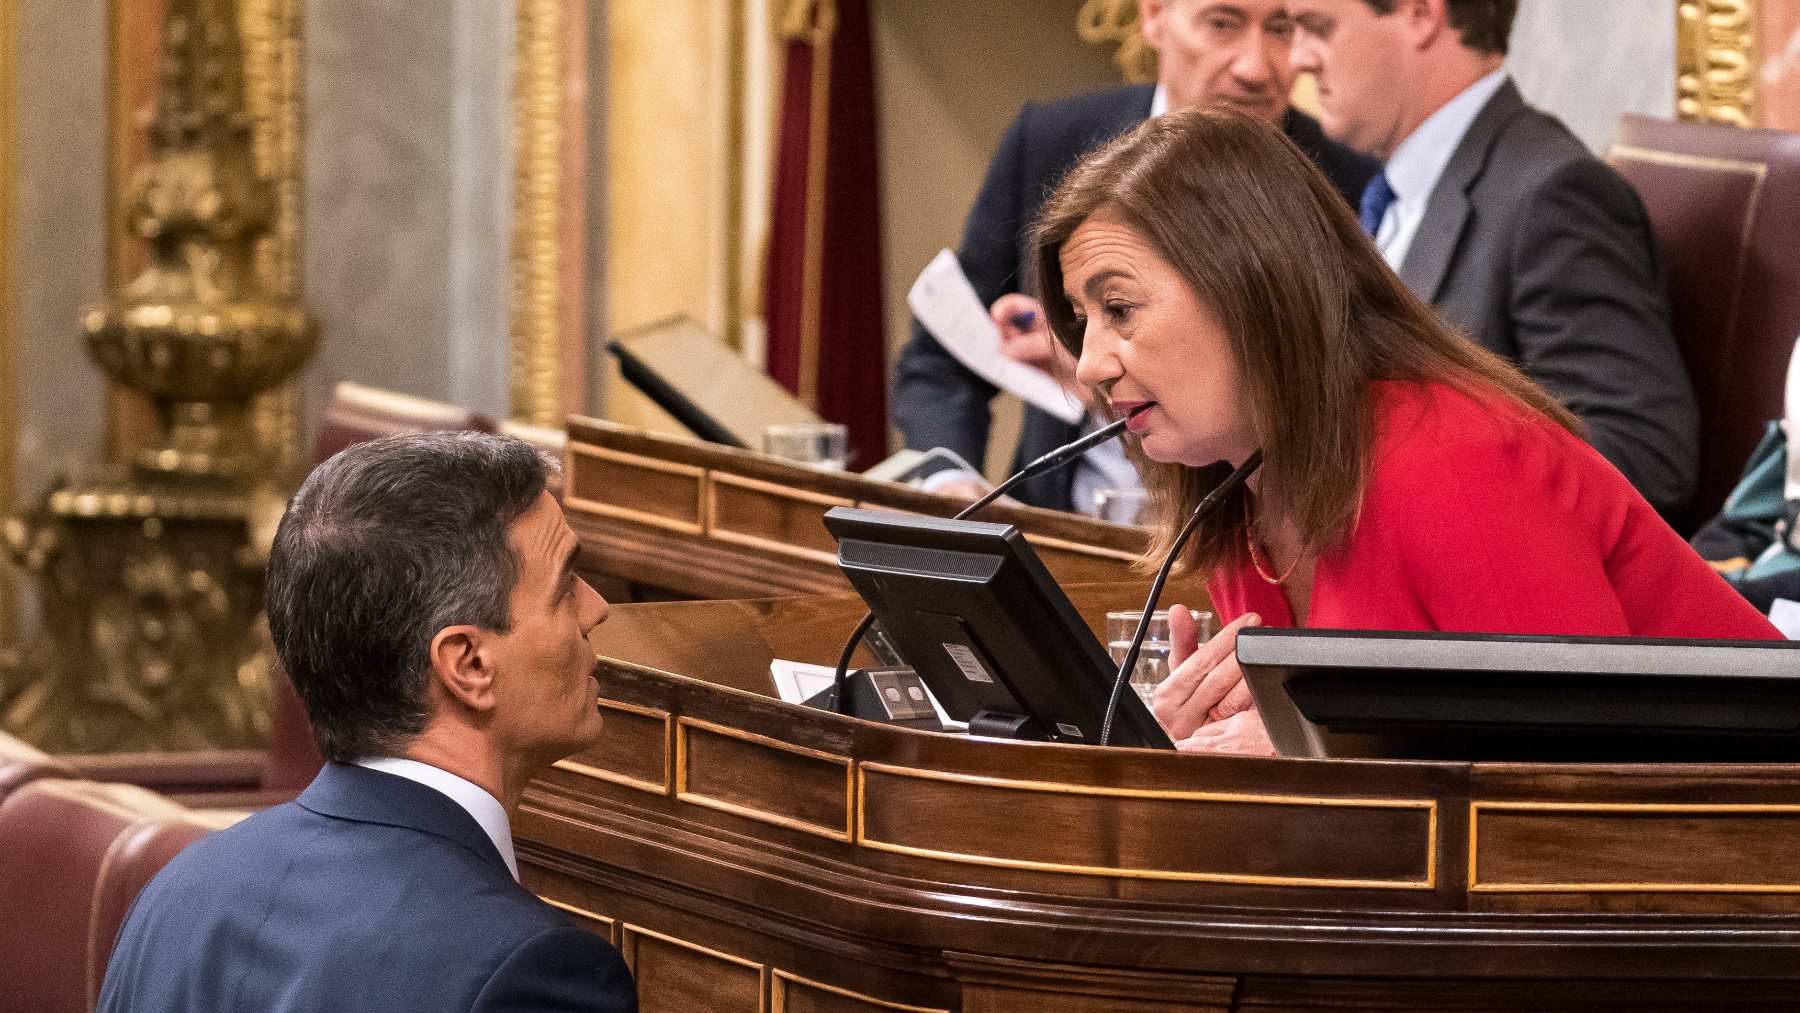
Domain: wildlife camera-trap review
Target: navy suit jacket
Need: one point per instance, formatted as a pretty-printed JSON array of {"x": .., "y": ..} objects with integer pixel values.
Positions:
[
  {"x": 938, "y": 402},
  {"x": 369, "y": 892}
]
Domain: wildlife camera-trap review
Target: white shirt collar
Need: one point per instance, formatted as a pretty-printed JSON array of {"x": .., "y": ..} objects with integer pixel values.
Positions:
[
  {"x": 473, "y": 799},
  {"x": 1159, "y": 102},
  {"x": 1419, "y": 161}
]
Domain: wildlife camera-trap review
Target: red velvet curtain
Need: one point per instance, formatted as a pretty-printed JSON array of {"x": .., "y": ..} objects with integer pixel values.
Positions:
[{"x": 823, "y": 302}]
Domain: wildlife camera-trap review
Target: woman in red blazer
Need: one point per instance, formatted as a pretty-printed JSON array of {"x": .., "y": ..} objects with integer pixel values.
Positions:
[{"x": 1209, "y": 280}]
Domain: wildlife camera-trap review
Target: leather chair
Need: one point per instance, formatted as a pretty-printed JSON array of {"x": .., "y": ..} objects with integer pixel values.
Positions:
[
  {"x": 1724, "y": 204},
  {"x": 359, "y": 413},
  {"x": 21, "y": 763},
  {"x": 77, "y": 855}
]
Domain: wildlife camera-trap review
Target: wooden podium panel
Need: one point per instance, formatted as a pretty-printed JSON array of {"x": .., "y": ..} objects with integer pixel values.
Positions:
[
  {"x": 752, "y": 855},
  {"x": 667, "y": 518}
]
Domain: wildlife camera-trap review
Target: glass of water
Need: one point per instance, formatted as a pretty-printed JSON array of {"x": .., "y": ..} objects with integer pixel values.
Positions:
[
  {"x": 1153, "y": 656},
  {"x": 821, "y": 445}
]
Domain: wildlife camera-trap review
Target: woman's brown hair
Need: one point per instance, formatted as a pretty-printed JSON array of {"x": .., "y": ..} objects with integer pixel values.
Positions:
[{"x": 1311, "y": 312}]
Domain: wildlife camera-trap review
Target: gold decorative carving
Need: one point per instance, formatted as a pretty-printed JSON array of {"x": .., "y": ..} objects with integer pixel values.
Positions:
[
  {"x": 150, "y": 577},
  {"x": 1715, "y": 61},
  {"x": 537, "y": 220},
  {"x": 9, "y": 413},
  {"x": 1115, "y": 22}
]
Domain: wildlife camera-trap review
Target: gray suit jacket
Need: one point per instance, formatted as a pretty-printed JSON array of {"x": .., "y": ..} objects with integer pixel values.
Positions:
[{"x": 1543, "y": 254}]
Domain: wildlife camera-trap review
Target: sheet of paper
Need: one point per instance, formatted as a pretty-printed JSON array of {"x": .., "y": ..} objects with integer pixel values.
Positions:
[
  {"x": 947, "y": 305},
  {"x": 1786, "y": 617}
]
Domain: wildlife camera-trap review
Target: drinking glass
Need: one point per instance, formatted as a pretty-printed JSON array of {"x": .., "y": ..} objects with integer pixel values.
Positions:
[
  {"x": 821, "y": 445},
  {"x": 1153, "y": 656},
  {"x": 1120, "y": 506}
]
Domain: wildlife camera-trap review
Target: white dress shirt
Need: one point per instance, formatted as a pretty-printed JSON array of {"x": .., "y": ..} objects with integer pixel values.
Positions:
[
  {"x": 1419, "y": 162},
  {"x": 473, "y": 799}
]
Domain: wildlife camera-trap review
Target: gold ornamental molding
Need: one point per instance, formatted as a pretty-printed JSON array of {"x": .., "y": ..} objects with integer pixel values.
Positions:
[
  {"x": 538, "y": 189},
  {"x": 149, "y": 575},
  {"x": 1116, "y": 23},
  {"x": 9, "y": 411},
  {"x": 1715, "y": 61}
]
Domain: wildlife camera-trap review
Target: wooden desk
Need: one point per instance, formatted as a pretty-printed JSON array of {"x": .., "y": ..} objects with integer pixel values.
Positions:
[
  {"x": 664, "y": 518},
  {"x": 748, "y": 855}
]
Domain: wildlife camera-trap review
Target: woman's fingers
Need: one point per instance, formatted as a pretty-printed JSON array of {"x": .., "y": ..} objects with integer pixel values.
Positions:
[
  {"x": 1200, "y": 682},
  {"x": 1242, "y": 733},
  {"x": 1184, "y": 635}
]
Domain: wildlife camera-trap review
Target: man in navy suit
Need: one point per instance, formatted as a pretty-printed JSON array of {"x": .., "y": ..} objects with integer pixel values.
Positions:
[
  {"x": 1210, "y": 52},
  {"x": 422, "y": 597}
]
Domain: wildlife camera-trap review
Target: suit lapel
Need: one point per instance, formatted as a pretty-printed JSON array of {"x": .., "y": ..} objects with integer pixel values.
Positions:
[
  {"x": 1428, "y": 258},
  {"x": 348, "y": 792}
]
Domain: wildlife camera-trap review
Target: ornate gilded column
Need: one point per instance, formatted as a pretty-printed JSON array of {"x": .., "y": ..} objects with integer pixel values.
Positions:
[
  {"x": 1115, "y": 22},
  {"x": 150, "y": 573},
  {"x": 1715, "y": 61}
]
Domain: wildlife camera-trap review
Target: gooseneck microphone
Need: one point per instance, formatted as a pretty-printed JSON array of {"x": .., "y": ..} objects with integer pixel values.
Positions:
[
  {"x": 1061, "y": 456},
  {"x": 1207, "y": 505}
]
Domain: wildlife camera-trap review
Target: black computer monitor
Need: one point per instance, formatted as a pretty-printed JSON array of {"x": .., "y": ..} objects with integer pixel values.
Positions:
[
  {"x": 1456, "y": 696},
  {"x": 971, "y": 608}
]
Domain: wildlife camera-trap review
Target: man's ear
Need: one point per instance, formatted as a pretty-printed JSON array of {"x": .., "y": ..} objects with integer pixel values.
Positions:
[
  {"x": 1426, "y": 21},
  {"x": 1152, "y": 21},
  {"x": 462, "y": 668}
]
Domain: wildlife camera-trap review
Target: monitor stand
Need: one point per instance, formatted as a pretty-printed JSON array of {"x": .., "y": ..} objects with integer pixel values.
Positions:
[{"x": 1002, "y": 725}]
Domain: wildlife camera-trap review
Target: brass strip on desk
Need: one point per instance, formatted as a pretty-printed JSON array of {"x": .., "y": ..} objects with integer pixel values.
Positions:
[
  {"x": 612, "y": 924},
  {"x": 668, "y": 757},
  {"x": 1628, "y": 885},
  {"x": 1080, "y": 549},
  {"x": 779, "y": 494},
  {"x": 782, "y": 978},
  {"x": 683, "y": 760},
  {"x": 629, "y": 950},
  {"x": 577, "y": 502},
  {"x": 1427, "y": 806}
]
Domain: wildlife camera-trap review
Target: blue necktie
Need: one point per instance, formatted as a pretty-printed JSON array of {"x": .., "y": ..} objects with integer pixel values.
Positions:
[{"x": 1377, "y": 197}]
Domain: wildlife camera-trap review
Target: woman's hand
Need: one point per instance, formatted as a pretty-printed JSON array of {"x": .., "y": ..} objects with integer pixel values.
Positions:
[
  {"x": 1205, "y": 684},
  {"x": 1242, "y": 732}
]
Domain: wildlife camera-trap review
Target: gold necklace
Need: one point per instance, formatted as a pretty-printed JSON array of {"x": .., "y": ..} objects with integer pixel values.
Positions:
[{"x": 1250, "y": 543}]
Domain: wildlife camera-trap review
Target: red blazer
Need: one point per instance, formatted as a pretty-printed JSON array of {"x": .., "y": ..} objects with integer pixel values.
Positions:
[{"x": 1482, "y": 517}]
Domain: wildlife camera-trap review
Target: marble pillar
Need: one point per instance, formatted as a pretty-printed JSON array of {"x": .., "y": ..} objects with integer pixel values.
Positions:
[
  {"x": 408, "y": 198},
  {"x": 59, "y": 251},
  {"x": 1589, "y": 62}
]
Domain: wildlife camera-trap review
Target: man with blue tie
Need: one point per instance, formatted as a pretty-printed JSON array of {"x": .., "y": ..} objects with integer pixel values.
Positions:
[
  {"x": 422, "y": 597},
  {"x": 1494, "y": 213}
]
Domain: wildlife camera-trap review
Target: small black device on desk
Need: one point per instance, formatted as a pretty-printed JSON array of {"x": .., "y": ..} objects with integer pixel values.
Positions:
[
  {"x": 1461, "y": 696},
  {"x": 973, "y": 610}
]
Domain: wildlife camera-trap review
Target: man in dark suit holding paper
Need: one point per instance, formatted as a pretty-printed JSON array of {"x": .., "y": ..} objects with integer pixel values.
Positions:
[
  {"x": 422, "y": 598},
  {"x": 1497, "y": 215},
  {"x": 1230, "y": 52}
]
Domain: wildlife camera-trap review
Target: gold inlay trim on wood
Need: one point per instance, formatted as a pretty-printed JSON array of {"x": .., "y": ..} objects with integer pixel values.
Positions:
[
  {"x": 782, "y": 978},
  {"x": 780, "y": 492},
  {"x": 1172, "y": 875},
  {"x": 628, "y": 940},
  {"x": 594, "y": 506},
  {"x": 612, "y": 924},
  {"x": 668, "y": 759},
  {"x": 1077, "y": 548},
  {"x": 1632, "y": 808},
  {"x": 750, "y": 812}
]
